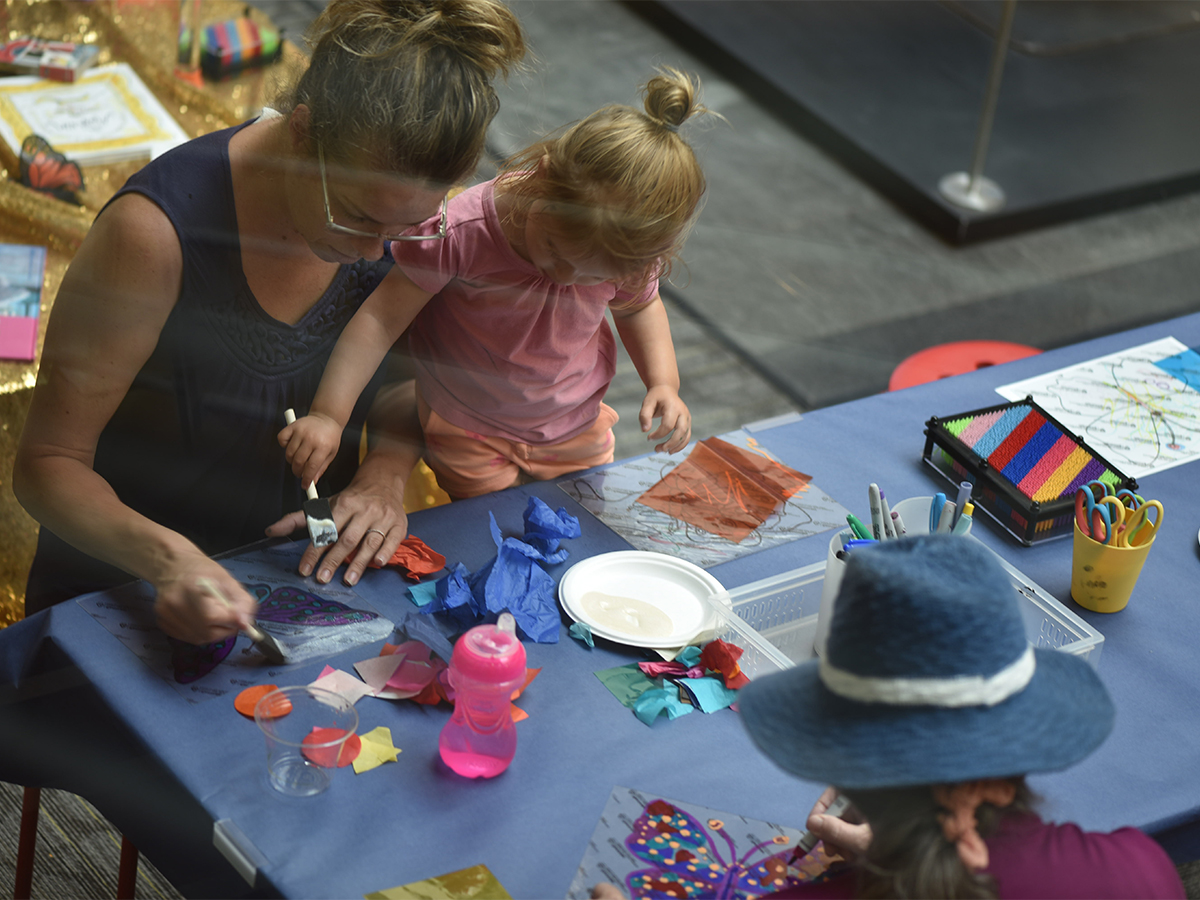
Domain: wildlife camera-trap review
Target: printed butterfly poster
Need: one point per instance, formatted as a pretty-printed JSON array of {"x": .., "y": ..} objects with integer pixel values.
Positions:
[
  {"x": 310, "y": 620},
  {"x": 653, "y": 848}
]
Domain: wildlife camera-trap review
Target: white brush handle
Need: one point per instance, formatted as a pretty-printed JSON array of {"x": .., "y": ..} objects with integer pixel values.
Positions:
[
  {"x": 210, "y": 586},
  {"x": 289, "y": 416}
]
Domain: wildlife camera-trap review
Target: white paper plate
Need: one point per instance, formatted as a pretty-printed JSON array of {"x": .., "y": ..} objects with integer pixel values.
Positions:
[{"x": 641, "y": 599}]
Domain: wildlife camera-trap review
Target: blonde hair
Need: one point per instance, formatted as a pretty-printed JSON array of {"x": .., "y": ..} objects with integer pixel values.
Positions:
[
  {"x": 622, "y": 181},
  {"x": 407, "y": 82}
]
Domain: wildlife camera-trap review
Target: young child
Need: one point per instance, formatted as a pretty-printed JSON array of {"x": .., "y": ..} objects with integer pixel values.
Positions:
[
  {"x": 514, "y": 354},
  {"x": 927, "y": 709}
]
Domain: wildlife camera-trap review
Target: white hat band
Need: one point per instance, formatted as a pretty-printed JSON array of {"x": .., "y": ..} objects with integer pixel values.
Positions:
[{"x": 963, "y": 690}]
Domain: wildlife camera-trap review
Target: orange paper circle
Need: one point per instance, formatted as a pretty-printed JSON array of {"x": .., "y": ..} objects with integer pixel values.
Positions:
[
  {"x": 323, "y": 756},
  {"x": 248, "y": 699}
]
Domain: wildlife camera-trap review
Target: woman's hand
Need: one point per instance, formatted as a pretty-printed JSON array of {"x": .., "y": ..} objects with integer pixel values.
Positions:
[
  {"x": 199, "y": 602},
  {"x": 370, "y": 520},
  {"x": 847, "y": 837},
  {"x": 369, "y": 513}
]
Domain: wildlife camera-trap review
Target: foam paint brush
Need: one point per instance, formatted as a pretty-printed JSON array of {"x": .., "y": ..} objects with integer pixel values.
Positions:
[
  {"x": 267, "y": 644},
  {"x": 318, "y": 514}
]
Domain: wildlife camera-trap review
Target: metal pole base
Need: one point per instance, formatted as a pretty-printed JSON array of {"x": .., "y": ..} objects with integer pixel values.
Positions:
[{"x": 984, "y": 195}]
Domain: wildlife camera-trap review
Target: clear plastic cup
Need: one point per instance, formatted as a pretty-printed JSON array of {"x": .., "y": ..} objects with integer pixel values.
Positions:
[{"x": 305, "y": 728}]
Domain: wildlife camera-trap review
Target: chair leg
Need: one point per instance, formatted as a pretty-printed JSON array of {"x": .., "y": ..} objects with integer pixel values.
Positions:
[
  {"x": 127, "y": 873},
  {"x": 26, "y": 843}
]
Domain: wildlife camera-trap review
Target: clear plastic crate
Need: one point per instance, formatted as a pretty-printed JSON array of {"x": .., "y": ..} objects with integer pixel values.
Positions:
[{"x": 774, "y": 620}]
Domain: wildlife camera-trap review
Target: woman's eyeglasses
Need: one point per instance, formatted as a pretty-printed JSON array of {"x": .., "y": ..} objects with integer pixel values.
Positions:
[{"x": 331, "y": 225}]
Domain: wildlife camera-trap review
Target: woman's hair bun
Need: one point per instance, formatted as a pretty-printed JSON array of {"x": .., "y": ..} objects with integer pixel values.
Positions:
[{"x": 485, "y": 32}]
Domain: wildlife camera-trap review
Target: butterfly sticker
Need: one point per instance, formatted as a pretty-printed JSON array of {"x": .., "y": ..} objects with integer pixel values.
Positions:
[
  {"x": 686, "y": 860},
  {"x": 45, "y": 169}
]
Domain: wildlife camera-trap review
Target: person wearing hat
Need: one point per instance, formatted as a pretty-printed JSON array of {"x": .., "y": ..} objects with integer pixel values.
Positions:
[{"x": 927, "y": 709}]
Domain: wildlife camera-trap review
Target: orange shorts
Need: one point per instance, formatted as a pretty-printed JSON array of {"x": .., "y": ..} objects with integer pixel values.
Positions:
[{"x": 468, "y": 464}]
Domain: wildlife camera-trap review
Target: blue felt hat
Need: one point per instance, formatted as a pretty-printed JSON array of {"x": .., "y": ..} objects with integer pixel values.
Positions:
[{"x": 927, "y": 678}]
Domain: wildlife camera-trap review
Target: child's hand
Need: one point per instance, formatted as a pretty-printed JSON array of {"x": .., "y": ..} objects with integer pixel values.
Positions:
[
  {"x": 663, "y": 401},
  {"x": 311, "y": 444},
  {"x": 848, "y": 837}
]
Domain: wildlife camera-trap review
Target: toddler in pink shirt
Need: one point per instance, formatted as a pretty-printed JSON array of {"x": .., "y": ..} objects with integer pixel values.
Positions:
[{"x": 514, "y": 354}]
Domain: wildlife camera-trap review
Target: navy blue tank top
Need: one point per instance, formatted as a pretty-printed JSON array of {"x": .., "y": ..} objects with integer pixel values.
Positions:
[{"x": 193, "y": 444}]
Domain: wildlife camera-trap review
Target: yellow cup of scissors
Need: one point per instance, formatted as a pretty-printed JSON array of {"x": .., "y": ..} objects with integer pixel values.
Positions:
[{"x": 1112, "y": 542}]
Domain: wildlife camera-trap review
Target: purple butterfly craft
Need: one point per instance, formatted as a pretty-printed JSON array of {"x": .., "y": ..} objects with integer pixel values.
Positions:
[
  {"x": 310, "y": 626},
  {"x": 293, "y": 606},
  {"x": 686, "y": 861}
]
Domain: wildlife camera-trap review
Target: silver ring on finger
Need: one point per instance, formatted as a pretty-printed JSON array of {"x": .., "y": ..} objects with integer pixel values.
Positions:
[{"x": 382, "y": 534}]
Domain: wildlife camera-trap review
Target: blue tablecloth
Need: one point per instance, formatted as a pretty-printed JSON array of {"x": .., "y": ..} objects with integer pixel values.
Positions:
[{"x": 79, "y": 711}]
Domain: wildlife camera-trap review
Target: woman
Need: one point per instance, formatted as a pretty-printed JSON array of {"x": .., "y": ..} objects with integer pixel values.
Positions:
[
  {"x": 208, "y": 296},
  {"x": 927, "y": 709}
]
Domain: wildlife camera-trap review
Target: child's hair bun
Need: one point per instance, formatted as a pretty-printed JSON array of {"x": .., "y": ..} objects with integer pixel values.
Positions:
[{"x": 672, "y": 97}]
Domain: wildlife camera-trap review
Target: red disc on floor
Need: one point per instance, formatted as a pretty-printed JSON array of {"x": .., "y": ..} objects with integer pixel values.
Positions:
[{"x": 955, "y": 358}]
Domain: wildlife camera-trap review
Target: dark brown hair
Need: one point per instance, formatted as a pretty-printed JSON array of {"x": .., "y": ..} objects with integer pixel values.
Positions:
[
  {"x": 623, "y": 181},
  {"x": 909, "y": 855},
  {"x": 406, "y": 82}
]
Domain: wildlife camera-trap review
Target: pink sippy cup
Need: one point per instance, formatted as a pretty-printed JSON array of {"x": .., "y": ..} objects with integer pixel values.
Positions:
[{"x": 487, "y": 665}]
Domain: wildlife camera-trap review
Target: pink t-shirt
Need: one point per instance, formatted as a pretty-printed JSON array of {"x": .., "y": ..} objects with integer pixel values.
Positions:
[{"x": 501, "y": 349}]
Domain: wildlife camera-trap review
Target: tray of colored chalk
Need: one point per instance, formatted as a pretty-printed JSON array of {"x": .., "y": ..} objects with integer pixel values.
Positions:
[{"x": 1024, "y": 466}]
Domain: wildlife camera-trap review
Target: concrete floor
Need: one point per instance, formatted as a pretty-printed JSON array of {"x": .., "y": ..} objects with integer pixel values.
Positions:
[
  {"x": 815, "y": 280},
  {"x": 804, "y": 287}
]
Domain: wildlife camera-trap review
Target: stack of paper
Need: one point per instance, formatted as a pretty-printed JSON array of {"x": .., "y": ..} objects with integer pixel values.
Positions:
[{"x": 108, "y": 115}]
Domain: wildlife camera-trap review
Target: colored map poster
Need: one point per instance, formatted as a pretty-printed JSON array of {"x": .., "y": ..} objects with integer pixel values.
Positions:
[
  {"x": 1139, "y": 408},
  {"x": 611, "y": 494}
]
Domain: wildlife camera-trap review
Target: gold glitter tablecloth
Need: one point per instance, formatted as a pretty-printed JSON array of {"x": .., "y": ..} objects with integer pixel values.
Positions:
[{"x": 143, "y": 34}]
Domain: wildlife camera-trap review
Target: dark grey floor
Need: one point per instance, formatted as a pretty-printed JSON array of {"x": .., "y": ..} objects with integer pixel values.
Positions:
[{"x": 803, "y": 286}]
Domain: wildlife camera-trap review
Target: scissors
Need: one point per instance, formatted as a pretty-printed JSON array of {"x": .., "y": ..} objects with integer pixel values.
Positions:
[
  {"x": 1138, "y": 526},
  {"x": 1095, "y": 515},
  {"x": 1129, "y": 498}
]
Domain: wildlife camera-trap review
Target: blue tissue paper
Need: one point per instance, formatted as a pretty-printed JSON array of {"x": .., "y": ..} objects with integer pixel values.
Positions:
[
  {"x": 651, "y": 704},
  {"x": 422, "y": 594},
  {"x": 454, "y": 597},
  {"x": 581, "y": 632},
  {"x": 708, "y": 693},
  {"x": 513, "y": 580},
  {"x": 427, "y": 630}
]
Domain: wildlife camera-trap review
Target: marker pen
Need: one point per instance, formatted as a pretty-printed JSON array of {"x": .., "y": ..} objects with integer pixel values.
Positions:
[
  {"x": 889, "y": 527},
  {"x": 808, "y": 840},
  {"x": 946, "y": 518},
  {"x": 876, "y": 511},
  {"x": 964, "y": 520},
  {"x": 860, "y": 530}
]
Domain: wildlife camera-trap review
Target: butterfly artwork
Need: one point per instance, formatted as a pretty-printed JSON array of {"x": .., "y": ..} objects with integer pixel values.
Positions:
[
  {"x": 192, "y": 662},
  {"x": 687, "y": 860},
  {"x": 296, "y": 606},
  {"x": 45, "y": 169},
  {"x": 308, "y": 625},
  {"x": 660, "y": 848},
  {"x": 305, "y": 624}
]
